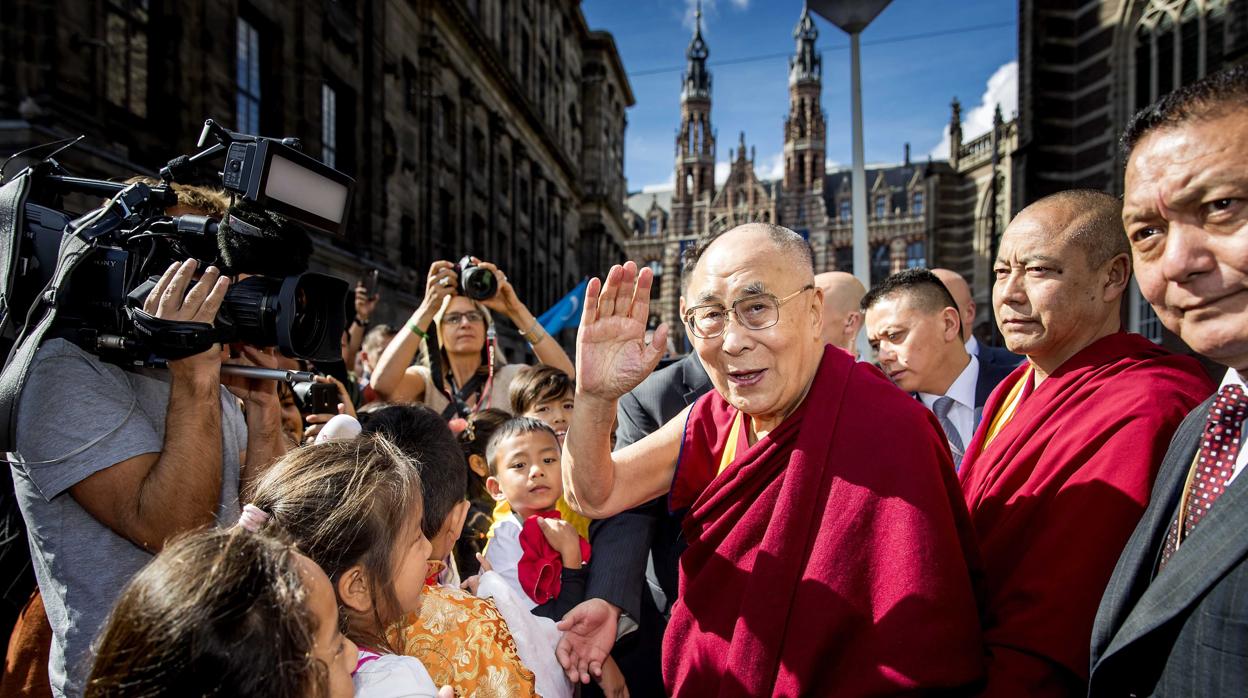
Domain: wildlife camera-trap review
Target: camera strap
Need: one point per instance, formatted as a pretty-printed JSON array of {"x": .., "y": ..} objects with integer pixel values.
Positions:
[
  {"x": 12, "y": 206},
  {"x": 74, "y": 250}
]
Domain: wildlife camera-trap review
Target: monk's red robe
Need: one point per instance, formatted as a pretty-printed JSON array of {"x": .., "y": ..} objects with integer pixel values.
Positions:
[
  {"x": 832, "y": 557},
  {"x": 1056, "y": 494}
]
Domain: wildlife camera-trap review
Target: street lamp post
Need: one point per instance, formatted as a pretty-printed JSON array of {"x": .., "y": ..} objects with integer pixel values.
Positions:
[{"x": 852, "y": 16}]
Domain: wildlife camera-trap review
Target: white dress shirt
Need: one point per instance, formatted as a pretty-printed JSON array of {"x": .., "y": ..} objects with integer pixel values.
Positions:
[
  {"x": 972, "y": 346},
  {"x": 1232, "y": 377},
  {"x": 962, "y": 413}
]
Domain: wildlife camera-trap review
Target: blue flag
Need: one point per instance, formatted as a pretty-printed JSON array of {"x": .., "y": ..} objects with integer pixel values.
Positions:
[{"x": 567, "y": 312}]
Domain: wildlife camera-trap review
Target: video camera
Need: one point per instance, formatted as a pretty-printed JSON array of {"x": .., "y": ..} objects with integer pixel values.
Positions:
[{"x": 84, "y": 278}]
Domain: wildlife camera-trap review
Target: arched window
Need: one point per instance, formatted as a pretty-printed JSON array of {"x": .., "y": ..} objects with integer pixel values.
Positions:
[{"x": 1176, "y": 43}]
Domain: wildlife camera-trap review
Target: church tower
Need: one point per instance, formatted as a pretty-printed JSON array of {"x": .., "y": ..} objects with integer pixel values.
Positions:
[
  {"x": 803, "y": 208},
  {"x": 804, "y": 130},
  {"x": 695, "y": 141}
]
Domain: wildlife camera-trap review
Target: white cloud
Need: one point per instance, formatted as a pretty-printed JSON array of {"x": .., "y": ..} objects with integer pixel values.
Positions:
[
  {"x": 710, "y": 8},
  {"x": 722, "y": 170},
  {"x": 1002, "y": 89},
  {"x": 772, "y": 169},
  {"x": 669, "y": 185}
]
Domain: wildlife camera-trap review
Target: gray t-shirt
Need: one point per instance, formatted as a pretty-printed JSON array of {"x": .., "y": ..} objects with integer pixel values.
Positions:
[{"x": 84, "y": 416}]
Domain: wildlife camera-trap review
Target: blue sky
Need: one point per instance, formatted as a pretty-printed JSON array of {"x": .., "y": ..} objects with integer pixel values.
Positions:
[{"x": 907, "y": 84}]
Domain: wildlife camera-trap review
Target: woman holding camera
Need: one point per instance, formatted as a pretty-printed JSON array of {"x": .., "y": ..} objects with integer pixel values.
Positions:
[{"x": 473, "y": 374}]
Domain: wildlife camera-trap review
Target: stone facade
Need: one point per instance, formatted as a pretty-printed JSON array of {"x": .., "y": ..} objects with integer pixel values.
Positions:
[
  {"x": 482, "y": 127},
  {"x": 942, "y": 213}
]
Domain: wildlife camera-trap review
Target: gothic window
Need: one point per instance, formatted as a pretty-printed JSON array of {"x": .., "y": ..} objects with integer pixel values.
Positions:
[
  {"x": 1176, "y": 43},
  {"x": 916, "y": 255},
  {"x": 329, "y": 125},
  {"x": 881, "y": 206},
  {"x": 654, "y": 225},
  {"x": 126, "y": 44},
  {"x": 247, "y": 77},
  {"x": 916, "y": 204},
  {"x": 846, "y": 211}
]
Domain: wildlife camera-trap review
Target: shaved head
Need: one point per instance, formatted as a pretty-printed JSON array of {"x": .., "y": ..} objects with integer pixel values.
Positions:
[
  {"x": 1088, "y": 218},
  {"x": 786, "y": 242},
  {"x": 961, "y": 292},
  {"x": 842, "y": 292}
]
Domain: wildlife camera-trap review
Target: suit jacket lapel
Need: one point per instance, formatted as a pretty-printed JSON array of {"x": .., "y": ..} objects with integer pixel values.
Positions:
[
  {"x": 695, "y": 379},
  {"x": 1199, "y": 562}
]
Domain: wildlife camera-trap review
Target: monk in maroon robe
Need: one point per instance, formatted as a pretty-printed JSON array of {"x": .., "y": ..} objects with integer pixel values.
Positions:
[
  {"x": 829, "y": 550},
  {"x": 1061, "y": 467}
]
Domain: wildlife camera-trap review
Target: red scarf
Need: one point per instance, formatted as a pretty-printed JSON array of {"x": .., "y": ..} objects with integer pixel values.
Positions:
[
  {"x": 1056, "y": 494},
  {"x": 540, "y": 564},
  {"x": 825, "y": 560}
]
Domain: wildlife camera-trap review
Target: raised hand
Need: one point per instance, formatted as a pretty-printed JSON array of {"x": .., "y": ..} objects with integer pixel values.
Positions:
[{"x": 612, "y": 356}]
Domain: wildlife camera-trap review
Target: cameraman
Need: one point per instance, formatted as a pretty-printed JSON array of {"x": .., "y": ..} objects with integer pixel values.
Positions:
[
  {"x": 462, "y": 325},
  {"x": 111, "y": 462}
]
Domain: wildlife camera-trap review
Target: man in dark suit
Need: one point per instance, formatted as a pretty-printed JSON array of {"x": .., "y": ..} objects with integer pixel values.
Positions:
[
  {"x": 647, "y": 536},
  {"x": 961, "y": 292},
  {"x": 914, "y": 326},
  {"x": 1174, "y": 617}
]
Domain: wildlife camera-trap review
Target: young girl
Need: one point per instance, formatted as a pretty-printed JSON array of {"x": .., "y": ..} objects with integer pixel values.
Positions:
[
  {"x": 220, "y": 613},
  {"x": 473, "y": 439},
  {"x": 354, "y": 506}
]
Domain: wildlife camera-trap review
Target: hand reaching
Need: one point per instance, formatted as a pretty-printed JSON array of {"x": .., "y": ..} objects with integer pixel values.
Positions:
[
  {"x": 588, "y": 636},
  {"x": 612, "y": 356}
]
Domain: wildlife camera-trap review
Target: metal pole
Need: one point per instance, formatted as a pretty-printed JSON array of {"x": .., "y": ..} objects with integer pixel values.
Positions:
[{"x": 862, "y": 253}]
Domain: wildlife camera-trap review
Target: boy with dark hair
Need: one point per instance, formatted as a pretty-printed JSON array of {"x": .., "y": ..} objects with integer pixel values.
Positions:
[{"x": 544, "y": 393}]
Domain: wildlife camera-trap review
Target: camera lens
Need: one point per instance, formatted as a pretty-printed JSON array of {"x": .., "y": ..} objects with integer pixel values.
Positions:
[
  {"x": 303, "y": 316},
  {"x": 479, "y": 284}
]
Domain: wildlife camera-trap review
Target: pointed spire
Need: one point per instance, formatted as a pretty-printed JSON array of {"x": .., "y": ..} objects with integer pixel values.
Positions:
[
  {"x": 805, "y": 64},
  {"x": 696, "y": 81}
]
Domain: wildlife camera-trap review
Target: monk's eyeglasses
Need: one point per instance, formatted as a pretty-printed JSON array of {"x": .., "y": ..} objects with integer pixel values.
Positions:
[{"x": 754, "y": 312}]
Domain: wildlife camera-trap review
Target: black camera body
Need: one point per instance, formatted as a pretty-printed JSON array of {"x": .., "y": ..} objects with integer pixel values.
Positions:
[
  {"x": 475, "y": 282},
  {"x": 89, "y": 274},
  {"x": 315, "y": 397}
]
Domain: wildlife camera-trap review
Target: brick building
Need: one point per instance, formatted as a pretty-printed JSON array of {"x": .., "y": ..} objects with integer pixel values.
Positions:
[{"x": 484, "y": 127}]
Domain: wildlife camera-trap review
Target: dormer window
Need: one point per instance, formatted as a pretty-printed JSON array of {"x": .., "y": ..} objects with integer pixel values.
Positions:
[{"x": 916, "y": 204}]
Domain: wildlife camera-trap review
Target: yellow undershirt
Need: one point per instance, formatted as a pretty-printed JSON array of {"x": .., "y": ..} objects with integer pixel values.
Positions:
[{"x": 1008, "y": 408}]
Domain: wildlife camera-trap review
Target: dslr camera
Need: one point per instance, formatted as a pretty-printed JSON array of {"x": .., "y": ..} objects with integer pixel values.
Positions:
[
  {"x": 476, "y": 283},
  {"x": 84, "y": 277}
]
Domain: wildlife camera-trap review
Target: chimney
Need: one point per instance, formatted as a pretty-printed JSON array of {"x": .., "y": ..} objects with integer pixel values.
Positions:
[{"x": 907, "y": 155}]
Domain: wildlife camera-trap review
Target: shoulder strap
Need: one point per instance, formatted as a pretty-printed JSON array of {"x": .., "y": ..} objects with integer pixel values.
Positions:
[
  {"x": 73, "y": 251},
  {"x": 12, "y": 207}
]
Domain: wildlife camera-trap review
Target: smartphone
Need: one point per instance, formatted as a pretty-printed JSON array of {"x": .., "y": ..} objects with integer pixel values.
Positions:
[{"x": 370, "y": 281}]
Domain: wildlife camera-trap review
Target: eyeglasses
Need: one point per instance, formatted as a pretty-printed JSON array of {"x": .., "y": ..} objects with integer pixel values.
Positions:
[
  {"x": 455, "y": 318},
  {"x": 756, "y": 312}
]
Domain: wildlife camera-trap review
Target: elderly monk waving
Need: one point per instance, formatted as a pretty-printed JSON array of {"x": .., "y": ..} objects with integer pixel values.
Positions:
[{"x": 829, "y": 548}]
